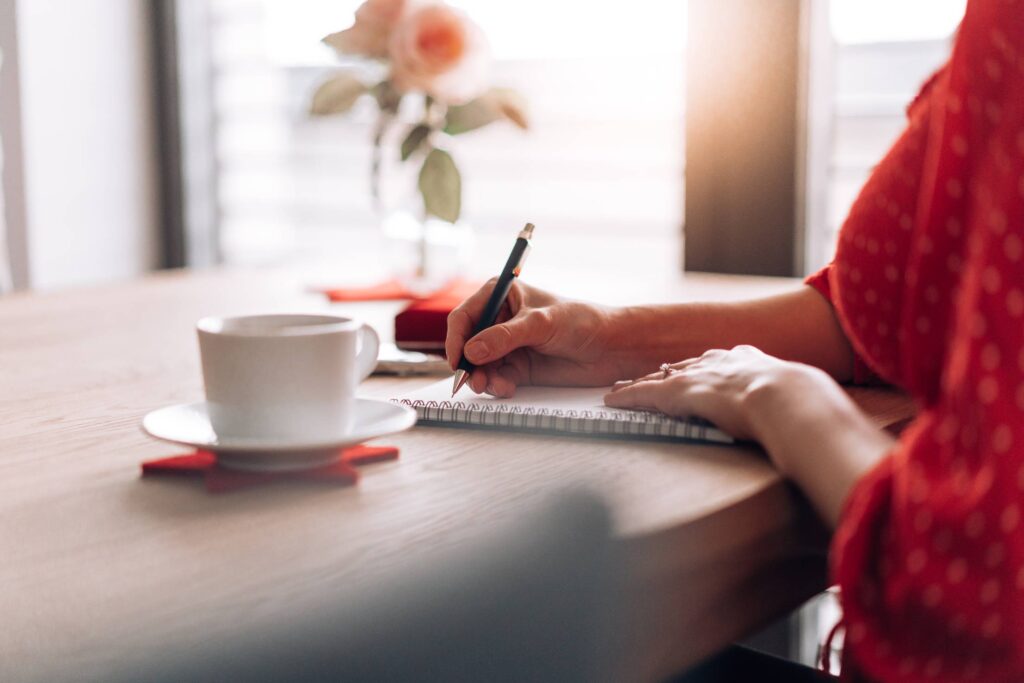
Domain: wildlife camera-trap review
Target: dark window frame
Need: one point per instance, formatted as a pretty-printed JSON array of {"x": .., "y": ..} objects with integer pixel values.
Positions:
[
  {"x": 746, "y": 137},
  {"x": 187, "y": 161}
]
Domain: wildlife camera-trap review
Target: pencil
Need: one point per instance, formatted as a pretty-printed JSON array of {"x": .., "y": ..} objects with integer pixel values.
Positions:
[{"x": 513, "y": 267}]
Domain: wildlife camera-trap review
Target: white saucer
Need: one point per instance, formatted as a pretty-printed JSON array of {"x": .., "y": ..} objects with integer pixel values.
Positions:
[{"x": 188, "y": 424}]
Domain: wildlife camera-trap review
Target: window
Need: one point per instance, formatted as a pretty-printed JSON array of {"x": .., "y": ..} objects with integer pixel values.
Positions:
[
  {"x": 603, "y": 160},
  {"x": 882, "y": 52}
]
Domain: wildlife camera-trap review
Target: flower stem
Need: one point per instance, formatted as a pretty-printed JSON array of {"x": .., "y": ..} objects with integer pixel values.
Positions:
[
  {"x": 375, "y": 162},
  {"x": 421, "y": 264}
]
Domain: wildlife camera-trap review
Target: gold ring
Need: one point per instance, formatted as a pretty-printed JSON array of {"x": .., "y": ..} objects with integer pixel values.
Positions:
[{"x": 666, "y": 370}]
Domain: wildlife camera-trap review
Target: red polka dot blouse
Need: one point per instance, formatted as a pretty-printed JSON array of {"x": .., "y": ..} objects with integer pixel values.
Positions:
[{"x": 928, "y": 282}]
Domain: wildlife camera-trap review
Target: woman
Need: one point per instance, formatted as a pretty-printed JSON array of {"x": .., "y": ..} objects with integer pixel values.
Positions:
[{"x": 926, "y": 292}]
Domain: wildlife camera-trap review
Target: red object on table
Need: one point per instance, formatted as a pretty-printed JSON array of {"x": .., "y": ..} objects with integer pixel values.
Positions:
[
  {"x": 222, "y": 479},
  {"x": 390, "y": 290},
  {"x": 396, "y": 290},
  {"x": 423, "y": 324}
]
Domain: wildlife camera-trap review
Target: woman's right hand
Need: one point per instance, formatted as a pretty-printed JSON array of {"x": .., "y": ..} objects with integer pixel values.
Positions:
[{"x": 538, "y": 339}]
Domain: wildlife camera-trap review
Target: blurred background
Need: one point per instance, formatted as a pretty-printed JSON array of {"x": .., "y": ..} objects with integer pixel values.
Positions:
[
  {"x": 138, "y": 135},
  {"x": 714, "y": 135}
]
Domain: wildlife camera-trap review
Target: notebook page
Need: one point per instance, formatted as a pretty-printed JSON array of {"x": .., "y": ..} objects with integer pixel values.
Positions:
[
  {"x": 555, "y": 409},
  {"x": 541, "y": 398}
]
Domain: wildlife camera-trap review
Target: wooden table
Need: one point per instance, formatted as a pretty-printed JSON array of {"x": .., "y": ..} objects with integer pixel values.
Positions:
[{"x": 95, "y": 560}]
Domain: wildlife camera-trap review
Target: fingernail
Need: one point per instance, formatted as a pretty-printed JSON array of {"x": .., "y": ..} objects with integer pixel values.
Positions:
[{"x": 476, "y": 350}]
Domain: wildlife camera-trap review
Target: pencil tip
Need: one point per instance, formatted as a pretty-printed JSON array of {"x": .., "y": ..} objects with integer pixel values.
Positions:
[{"x": 461, "y": 377}]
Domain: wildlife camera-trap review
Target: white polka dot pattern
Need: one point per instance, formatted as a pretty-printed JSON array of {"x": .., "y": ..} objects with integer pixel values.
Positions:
[{"x": 928, "y": 282}]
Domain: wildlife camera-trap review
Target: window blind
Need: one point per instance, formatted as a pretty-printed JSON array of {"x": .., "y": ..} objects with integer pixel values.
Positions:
[{"x": 602, "y": 161}]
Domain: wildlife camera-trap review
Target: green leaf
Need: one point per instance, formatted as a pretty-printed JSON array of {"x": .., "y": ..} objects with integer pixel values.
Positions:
[
  {"x": 441, "y": 186},
  {"x": 495, "y": 104},
  {"x": 477, "y": 113},
  {"x": 412, "y": 142},
  {"x": 388, "y": 98},
  {"x": 337, "y": 95},
  {"x": 512, "y": 106}
]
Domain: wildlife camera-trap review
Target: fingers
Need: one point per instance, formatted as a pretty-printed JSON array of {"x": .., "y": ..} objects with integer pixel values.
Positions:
[
  {"x": 531, "y": 329},
  {"x": 660, "y": 374},
  {"x": 462, "y": 320},
  {"x": 645, "y": 394},
  {"x": 498, "y": 380},
  {"x": 502, "y": 381},
  {"x": 478, "y": 380},
  {"x": 674, "y": 396},
  {"x": 522, "y": 326},
  {"x": 709, "y": 355}
]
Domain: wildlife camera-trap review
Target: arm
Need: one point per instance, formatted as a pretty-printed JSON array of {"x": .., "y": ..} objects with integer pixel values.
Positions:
[
  {"x": 816, "y": 436},
  {"x": 542, "y": 339},
  {"x": 798, "y": 326}
]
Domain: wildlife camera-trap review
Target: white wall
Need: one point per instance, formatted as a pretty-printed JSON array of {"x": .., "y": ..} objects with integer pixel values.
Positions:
[
  {"x": 6, "y": 281},
  {"x": 13, "y": 242},
  {"x": 88, "y": 136}
]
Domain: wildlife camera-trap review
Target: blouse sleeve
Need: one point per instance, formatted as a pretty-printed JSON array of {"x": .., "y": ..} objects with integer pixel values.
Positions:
[
  {"x": 819, "y": 281},
  {"x": 929, "y": 553}
]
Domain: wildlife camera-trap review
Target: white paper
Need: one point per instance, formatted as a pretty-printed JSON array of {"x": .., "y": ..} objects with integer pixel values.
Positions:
[{"x": 541, "y": 398}]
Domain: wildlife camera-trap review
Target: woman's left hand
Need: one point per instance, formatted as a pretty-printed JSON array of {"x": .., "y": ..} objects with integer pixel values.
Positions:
[
  {"x": 717, "y": 386},
  {"x": 812, "y": 431}
]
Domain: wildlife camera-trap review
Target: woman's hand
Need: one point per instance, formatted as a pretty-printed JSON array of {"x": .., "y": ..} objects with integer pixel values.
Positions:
[
  {"x": 542, "y": 339},
  {"x": 813, "y": 432},
  {"x": 539, "y": 339},
  {"x": 717, "y": 386}
]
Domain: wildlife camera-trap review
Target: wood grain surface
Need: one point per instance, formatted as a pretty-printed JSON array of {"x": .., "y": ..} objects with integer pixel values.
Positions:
[{"x": 96, "y": 561}]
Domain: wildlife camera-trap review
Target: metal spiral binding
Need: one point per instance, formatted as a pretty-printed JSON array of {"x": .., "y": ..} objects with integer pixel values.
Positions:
[{"x": 433, "y": 410}]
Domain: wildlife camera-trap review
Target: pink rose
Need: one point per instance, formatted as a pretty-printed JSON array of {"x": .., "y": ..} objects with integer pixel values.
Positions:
[
  {"x": 438, "y": 50},
  {"x": 371, "y": 32}
]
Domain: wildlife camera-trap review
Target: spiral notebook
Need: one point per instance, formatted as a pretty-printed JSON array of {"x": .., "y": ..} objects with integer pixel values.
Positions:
[{"x": 552, "y": 410}]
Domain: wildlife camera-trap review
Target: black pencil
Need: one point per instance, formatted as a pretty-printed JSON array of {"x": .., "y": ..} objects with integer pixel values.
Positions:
[{"x": 501, "y": 288}]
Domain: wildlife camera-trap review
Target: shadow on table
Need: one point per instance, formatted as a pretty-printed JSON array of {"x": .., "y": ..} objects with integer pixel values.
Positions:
[{"x": 536, "y": 600}]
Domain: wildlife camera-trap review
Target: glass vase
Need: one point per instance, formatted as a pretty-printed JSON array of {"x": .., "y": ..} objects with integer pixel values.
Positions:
[{"x": 424, "y": 252}]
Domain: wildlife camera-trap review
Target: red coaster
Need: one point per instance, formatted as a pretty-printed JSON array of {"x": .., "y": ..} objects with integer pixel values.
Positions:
[{"x": 222, "y": 479}]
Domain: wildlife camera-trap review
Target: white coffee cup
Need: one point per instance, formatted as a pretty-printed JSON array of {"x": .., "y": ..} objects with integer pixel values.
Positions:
[{"x": 289, "y": 376}]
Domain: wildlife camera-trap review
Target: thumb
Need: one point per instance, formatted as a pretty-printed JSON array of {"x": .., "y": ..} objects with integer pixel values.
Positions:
[{"x": 529, "y": 329}]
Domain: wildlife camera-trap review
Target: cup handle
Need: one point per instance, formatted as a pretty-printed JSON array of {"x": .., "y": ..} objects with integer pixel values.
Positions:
[{"x": 369, "y": 348}]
